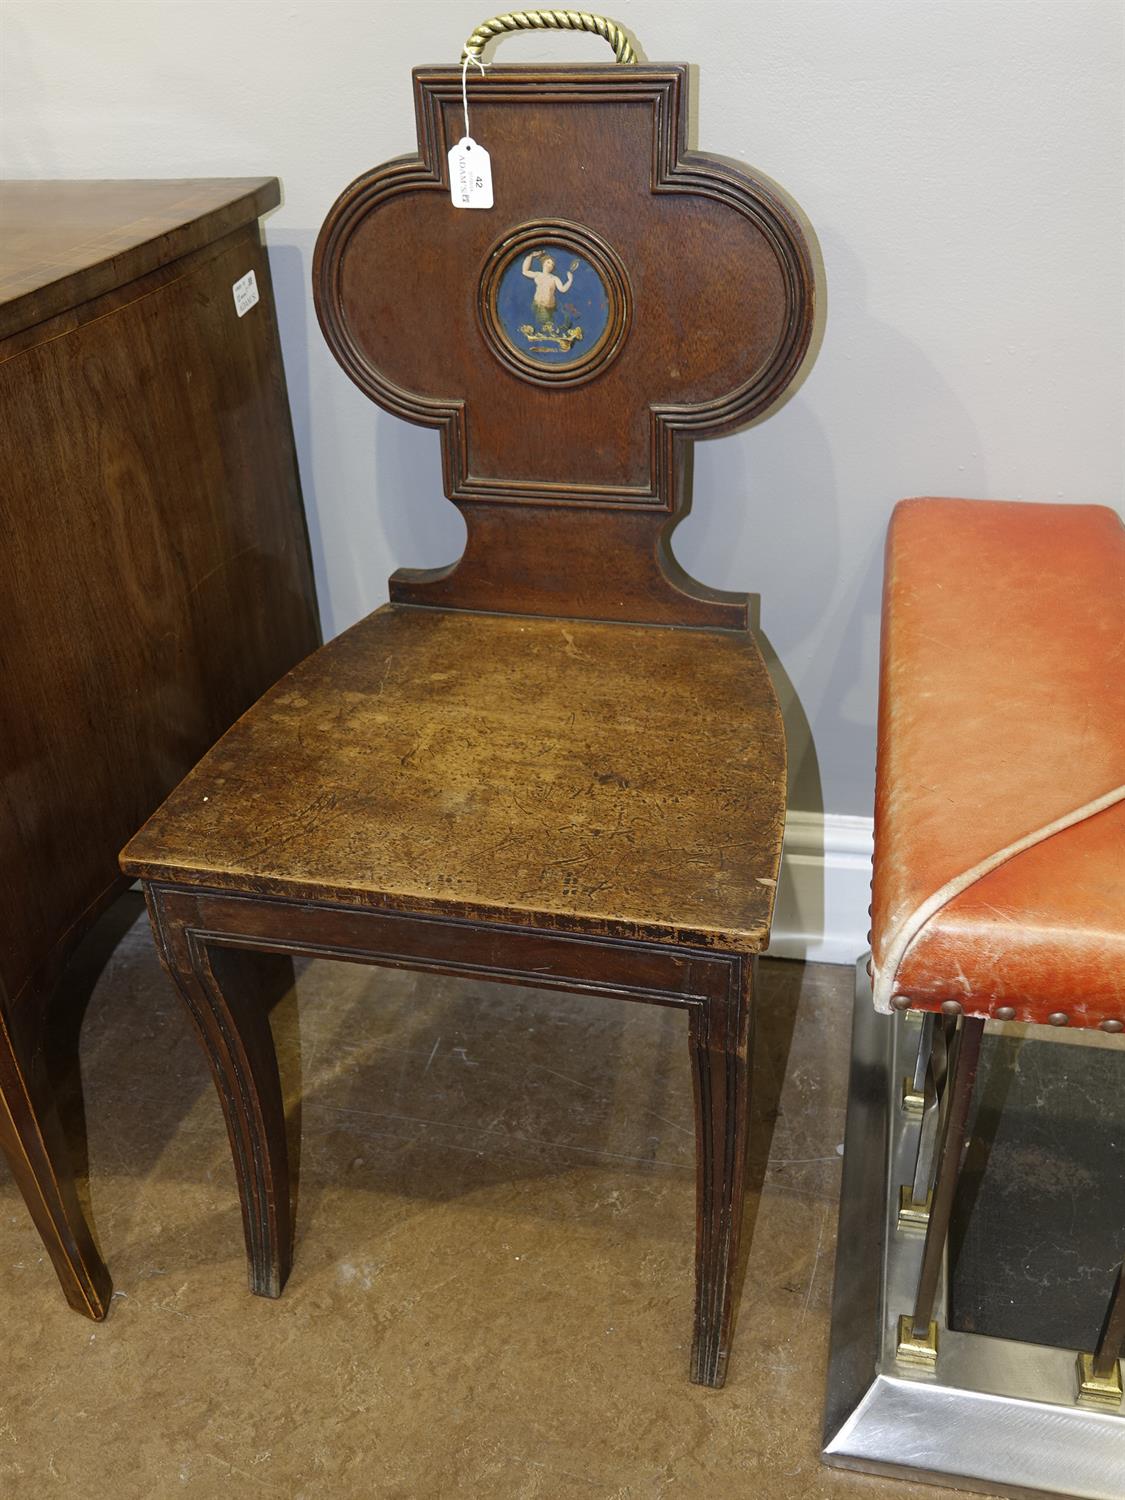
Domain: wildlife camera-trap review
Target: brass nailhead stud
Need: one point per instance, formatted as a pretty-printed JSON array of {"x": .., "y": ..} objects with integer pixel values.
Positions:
[
  {"x": 1005, "y": 1012},
  {"x": 900, "y": 1002},
  {"x": 1058, "y": 1018},
  {"x": 1113, "y": 1025},
  {"x": 951, "y": 1007}
]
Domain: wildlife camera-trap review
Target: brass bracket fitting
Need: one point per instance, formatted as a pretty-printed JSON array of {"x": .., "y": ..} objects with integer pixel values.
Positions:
[
  {"x": 913, "y": 1215},
  {"x": 915, "y": 1351},
  {"x": 1102, "y": 1391},
  {"x": 912, "y": 1103}
]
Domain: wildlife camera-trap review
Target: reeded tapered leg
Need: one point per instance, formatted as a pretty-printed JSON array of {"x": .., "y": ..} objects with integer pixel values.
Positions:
[
  {"x": 31, "y": 1137},
  {"x": 228, "y": 992},
  {"x": 720, "y": 1049}
]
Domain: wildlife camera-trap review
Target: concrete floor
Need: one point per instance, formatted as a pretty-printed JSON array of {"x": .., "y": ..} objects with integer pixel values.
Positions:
[{"x": 492, "y": 1288}]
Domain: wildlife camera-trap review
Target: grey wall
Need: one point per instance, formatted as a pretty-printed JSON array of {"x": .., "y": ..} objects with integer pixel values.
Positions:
[{"x": 962, "y": 163}]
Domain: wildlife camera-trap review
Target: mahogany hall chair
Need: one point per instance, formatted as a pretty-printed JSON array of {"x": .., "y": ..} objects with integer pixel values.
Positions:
[{"x": 560, "y": 761}]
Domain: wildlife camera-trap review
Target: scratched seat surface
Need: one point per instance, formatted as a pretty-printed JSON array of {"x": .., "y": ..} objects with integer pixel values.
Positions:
[{"x": 528, "y": 769}]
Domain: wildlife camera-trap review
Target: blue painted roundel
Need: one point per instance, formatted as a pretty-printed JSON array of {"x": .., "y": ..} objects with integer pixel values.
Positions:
[{"x": 552, "y": 306}]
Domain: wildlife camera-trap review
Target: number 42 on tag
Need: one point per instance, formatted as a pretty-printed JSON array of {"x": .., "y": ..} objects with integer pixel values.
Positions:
[{"x": 470, "y": 175}]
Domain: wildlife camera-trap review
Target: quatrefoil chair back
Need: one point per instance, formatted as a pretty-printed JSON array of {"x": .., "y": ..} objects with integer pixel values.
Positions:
[{"x": 507, "y": 771}]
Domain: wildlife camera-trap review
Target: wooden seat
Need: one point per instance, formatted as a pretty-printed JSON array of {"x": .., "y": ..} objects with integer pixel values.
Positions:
[
  {"x": 525, "y": 770},
  {"x": 558, "y": 762}
]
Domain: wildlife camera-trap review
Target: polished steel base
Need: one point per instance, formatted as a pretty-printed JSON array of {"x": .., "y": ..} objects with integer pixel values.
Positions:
[{"x": 990, "y": 1415}]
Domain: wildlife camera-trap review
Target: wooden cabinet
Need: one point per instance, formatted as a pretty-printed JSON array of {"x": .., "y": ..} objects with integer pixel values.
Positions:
[{"x": 154, "y": 571}]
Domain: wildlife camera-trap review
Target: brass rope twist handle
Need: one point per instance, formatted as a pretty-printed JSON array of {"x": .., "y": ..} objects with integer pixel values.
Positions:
[{"x": 551, "y": 20}]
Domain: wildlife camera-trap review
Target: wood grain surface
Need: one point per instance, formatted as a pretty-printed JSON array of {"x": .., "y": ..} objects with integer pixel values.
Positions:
[
  {"x": 66, "y": 242},
  {"x": 613, "y": 778},
  {"x": 155, "y": 575},
  {"x": 719, "y": 293}
]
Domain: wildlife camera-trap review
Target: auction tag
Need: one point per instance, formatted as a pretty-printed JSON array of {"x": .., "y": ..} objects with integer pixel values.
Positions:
[
  {"x": 470, "y": 175},
  {"x": 245, "y": 292}
]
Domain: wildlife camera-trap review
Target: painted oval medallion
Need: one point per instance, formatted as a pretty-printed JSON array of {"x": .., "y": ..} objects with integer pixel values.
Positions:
[{"x": 554, "y": 302}]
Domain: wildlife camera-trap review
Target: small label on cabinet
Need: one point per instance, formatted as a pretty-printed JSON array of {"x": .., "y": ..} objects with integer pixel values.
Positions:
[
  {"x": 470, "y": 175},
  {"x": 245, "y": 293}
]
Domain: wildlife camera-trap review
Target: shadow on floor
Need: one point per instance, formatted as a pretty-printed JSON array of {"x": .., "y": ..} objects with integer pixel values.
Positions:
[{"x": 526, "y": 1082}]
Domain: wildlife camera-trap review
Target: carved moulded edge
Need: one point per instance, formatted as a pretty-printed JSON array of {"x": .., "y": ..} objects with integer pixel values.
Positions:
[{"x": 674, "y": 170}]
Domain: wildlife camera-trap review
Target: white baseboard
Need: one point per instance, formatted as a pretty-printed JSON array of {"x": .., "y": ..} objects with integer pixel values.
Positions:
[{"x": 825, "y": 889}]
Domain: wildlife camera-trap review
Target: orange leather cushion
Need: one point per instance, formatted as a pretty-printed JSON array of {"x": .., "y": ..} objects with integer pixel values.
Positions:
[{"x": 1001, "y": 712}]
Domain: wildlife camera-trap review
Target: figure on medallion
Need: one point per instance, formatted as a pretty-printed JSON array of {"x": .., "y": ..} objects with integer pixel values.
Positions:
[
  {"x": 547, "y": 285},
  {"x": 555, "y": 318}
]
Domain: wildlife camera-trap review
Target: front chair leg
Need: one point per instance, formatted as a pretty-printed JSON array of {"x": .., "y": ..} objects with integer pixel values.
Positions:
[
  {"x": 720, "y": 1050},
  {"x": 31, "y": 1137},
  {"x": 228, "y": 993}
]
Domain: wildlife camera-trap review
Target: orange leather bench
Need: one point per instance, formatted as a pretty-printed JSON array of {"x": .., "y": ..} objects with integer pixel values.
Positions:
[{"x": 999, "y": 879}]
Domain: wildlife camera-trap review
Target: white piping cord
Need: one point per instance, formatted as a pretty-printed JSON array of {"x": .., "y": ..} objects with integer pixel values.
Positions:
[{"x": 887, "y": 972}]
